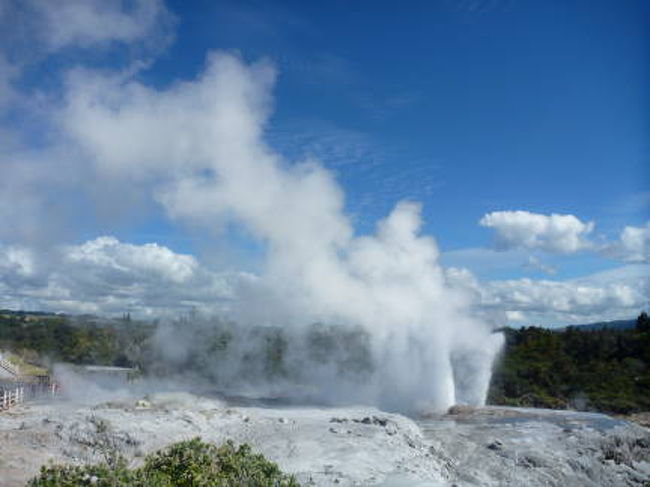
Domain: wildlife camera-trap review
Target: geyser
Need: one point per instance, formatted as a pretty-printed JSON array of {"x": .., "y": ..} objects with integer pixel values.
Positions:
[{"x": 198, "y": 147}]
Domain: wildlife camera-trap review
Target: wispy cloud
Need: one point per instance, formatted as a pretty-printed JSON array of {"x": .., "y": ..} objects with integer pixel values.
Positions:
[{"x": 536, "y": 264}]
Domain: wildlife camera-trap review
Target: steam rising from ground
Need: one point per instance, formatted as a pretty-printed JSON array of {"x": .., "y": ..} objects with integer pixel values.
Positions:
[{"x": 197, "y": 148}]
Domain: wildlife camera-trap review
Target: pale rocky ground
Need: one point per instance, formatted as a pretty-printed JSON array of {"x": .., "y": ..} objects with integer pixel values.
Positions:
[{"x": 341, "y": 446}]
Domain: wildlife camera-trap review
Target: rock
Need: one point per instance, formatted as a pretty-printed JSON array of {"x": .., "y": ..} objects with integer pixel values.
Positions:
[
  {"x": 525, "y": 446},
  {"x": 379, "y": 421},
  {"x": 530, "y": 461},
  {"x": 142, "y": 404},
  {"x": 338, "y": 420},
  {"x": 458, "y": 409},
  {"x": 495, "y": 445},
  {"x": 372, "y": 420}
]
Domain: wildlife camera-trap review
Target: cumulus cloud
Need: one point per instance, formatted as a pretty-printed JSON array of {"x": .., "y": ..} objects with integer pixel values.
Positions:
[
  {"x": 106, "y": 276},
  {"x": 16, "y": 261},
  {"x": 137, "y": 261},
  {"x": 620, "y": 293},
  {"x": 633, "y": 244},
  {"x": 554, "y": 233}
]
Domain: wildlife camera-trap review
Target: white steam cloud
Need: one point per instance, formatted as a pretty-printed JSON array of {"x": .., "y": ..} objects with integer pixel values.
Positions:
[{"x": 198, "y": 148}]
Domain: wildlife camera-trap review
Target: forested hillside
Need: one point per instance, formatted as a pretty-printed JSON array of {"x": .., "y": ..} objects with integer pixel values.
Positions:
[
  {"x": 604, "y": 369},
  {"x": 581, "y": 368},
  {"x": 46, "y": 338}
]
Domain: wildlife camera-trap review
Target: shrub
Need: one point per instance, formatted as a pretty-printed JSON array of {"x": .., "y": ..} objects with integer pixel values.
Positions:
[
  {"x": 102, "y": 475},
  {"x": 191, "y": 463}
]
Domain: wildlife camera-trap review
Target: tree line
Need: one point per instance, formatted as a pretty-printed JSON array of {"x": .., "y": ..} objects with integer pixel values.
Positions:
[{"x": 604, "y": 369}]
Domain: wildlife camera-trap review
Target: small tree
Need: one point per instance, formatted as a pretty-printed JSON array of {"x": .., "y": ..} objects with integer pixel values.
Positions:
[{"x": 643, "y": 322}]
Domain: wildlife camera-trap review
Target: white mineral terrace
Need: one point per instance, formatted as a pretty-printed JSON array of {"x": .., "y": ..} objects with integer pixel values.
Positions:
[{"x": 341, "y": 446}]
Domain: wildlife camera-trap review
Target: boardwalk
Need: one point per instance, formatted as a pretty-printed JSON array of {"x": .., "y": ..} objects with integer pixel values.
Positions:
[
  {"x": 11, "y": 397},
  {"x": 7, "y": 369},
  {"x": 16, "y": 388}
]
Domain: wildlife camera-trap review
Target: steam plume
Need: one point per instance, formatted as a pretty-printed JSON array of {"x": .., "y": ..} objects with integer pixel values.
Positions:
[{"x": 198, "y": 147}]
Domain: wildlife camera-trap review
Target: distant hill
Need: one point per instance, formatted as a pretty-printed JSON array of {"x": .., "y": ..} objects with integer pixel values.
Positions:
[
  {"x": 611, "y": 325},
  {"x": 29, "y": 315},
  {"x": 11, "y": 312}
]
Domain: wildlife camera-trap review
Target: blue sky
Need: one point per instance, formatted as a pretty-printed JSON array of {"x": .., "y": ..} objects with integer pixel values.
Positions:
[{"x": 469, "y": 107}]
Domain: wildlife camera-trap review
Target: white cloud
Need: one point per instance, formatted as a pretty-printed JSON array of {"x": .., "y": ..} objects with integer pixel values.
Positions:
[
  {"x": 17, "y": 261},
  {"x": 33, "y": 28},
  {"x": 554, "y": 233},
  {"x": 140, "y": 262},
  {"x": 86, "y": 23},
  {"x": 106, "y": 276},
  {"x": 615, "y": 294},
  {"x": 41, "y": 169},
  {"x": 534, "y": 263},
  {"x": 633, "y": 245}
]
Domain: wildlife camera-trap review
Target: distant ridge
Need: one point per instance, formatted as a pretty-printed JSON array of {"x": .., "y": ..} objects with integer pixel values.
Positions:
[
  {"x": 11, "y": 312},
  {"x": 611, "y": 325}
]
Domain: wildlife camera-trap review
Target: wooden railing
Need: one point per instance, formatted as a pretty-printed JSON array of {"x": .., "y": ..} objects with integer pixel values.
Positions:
[
  {"x": 11, "y": 397},
  {"x": 9, "y": 367}
]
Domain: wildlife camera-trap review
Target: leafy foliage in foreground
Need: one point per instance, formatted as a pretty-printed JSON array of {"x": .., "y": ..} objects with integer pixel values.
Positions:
[
  {"x": 191, "y": 463},
  {"x": 604, "y": 370}
]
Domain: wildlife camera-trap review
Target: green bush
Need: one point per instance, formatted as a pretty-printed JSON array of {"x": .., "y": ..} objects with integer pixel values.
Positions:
[
  {"x": 191, "y": 463},
  {"x": 102, "y": 475}
]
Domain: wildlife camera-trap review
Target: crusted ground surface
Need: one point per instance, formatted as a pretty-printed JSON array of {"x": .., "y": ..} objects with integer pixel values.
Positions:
[{"x": 340, "y": 446}]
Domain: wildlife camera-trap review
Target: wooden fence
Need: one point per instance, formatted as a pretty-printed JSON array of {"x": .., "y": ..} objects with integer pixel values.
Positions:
[
  {"x": 9, "y": 367},
  {"x": 11, "y": 397}
]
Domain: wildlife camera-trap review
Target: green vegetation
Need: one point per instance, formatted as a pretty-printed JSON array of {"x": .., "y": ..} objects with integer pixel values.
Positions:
[
  {"x": 25, "y": 364},
  {"x": 602, "y": 369},
  {"x": 592, "y": 368},
  {"x": 38, "y": 338},
  {"x": 191, "y": 463}
]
